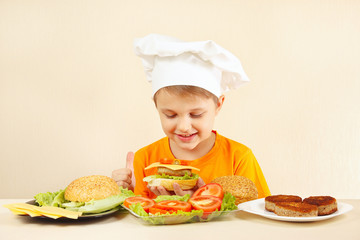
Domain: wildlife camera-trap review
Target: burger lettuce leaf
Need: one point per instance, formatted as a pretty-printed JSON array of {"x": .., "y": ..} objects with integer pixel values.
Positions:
[{"x": 185, "y": 177}]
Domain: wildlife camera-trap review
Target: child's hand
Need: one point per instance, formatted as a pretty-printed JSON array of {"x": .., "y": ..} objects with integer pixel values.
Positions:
[
  {"x": 124, "y": 177},
  {"x": 180, "y": 192},
  {"x": 160, "y": 190}
]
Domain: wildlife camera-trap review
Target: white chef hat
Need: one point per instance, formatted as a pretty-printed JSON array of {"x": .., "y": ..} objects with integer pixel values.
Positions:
[{"x": 169, "y": 61}]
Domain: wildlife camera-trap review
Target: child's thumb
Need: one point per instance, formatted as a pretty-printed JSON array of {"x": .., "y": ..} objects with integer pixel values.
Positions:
[
  {"x": 130, "y": 161},
  {"x": 130, "y": 164}
]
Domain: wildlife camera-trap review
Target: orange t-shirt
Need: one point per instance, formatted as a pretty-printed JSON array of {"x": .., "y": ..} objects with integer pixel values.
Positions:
[{"x": 227, "y": 157}]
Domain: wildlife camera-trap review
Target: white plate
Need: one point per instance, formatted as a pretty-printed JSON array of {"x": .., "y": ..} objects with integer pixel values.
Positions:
[{"x": 258, "y": 207}]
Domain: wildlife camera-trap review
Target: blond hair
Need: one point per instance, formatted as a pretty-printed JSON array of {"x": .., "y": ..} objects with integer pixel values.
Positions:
[{"x": 187, "y": 91}]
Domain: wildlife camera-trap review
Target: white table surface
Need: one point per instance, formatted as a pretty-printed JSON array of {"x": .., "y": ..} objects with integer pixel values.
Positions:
[{"x": 240, "y": 226}]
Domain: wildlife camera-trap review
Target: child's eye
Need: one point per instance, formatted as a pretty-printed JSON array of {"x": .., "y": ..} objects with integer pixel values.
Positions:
[
  {"x": 170, "y": 116},
  {"x": 196, "y": 115}
]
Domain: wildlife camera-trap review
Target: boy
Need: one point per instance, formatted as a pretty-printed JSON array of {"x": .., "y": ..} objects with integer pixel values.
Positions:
[{"x": 188, "y": 81}]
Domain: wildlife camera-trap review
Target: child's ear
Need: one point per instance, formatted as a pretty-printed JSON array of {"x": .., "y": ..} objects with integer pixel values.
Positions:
[{"x": 220, "y": 103}]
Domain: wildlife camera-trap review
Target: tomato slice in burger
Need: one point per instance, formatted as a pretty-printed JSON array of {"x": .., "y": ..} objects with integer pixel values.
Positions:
[
  {"x": 146, "y": 203},
  {"x": 174, "y": 161},
  {"x": 211, "y": 189},
  {"x": 206, "y": 203},
  {"x": 166, "y": 161},
  {"x": 173, "y": 205}
]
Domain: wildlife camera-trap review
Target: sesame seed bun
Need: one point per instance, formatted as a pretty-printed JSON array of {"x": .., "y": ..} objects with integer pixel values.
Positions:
[
  {"x": 94, "y": 187},
  {"x": 242, "y": 188}
]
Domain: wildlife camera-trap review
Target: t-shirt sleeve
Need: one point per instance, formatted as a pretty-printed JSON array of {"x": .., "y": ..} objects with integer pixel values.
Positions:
[
  {"x": 248, "y": 166},
  {"x": 140, "y": 185}
]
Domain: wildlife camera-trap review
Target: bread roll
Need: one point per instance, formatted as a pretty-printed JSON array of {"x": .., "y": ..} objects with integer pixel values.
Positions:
[
  {"x": 92, "y": 187},
  {"x": 242, "y": 188}
]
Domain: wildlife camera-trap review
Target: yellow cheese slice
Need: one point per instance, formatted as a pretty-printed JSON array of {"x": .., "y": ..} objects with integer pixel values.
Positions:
[
  {"x": 17, "y": 212},
  {"x": 55, "y": 211},
  {"x": 24, "y": 208},
  {"x": 35, "y": 211},
  {"x": 24, "y": 212},
  {"x": 171, "y": 166}
]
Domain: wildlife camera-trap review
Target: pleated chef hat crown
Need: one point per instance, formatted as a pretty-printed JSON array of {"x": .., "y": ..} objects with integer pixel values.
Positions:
[{"x": 169, "y": 61}]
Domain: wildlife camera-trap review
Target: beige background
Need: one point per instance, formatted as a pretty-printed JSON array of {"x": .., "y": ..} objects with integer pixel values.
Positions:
[{"x": 74, "y": 99}]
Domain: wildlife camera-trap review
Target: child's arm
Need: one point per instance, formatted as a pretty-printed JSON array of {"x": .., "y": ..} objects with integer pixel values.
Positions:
[{"x": 124, "y": 176}]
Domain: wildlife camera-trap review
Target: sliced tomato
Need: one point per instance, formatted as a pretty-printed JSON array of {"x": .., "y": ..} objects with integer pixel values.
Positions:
[
  {"x": 211, "y": 189},
  {"x": 173, "y": 205},
  {"x": 206, "y": 203},
  {"x": 174, "y": 161},
  {"x": 166, "y": 161},
  {"x": 146, "y": 203},
  {"x": 157, "y": 211}
]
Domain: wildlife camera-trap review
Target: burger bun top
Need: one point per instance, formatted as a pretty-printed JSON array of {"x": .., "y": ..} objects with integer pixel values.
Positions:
[
  {"x": 242, "y": 188},
  {"x": 94, "y": 187}
]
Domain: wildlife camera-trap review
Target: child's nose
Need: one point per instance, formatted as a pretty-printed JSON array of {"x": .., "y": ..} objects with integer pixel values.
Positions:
[{"x": 184, "y": 124}]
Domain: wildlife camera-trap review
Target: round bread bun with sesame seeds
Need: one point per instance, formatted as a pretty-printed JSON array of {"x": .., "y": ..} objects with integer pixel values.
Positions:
[
  {"x": 242, "y": 188},
  {"x": 89, "y": 188}
]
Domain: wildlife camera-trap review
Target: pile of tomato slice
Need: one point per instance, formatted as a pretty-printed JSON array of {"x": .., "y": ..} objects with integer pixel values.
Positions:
[{"x": 207, "y": 198}]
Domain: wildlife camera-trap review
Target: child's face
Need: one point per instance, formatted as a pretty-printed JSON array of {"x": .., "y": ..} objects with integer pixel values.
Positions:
[{"x": 187, "y": 121}]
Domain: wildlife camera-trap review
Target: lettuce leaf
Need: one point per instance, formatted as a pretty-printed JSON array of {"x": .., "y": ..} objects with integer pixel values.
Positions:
[
  {"x": 184, "y": 198},
  {"x": 57, "y": 199},
  {"x": 228, "y": 203},
  {"x": 103, "y": 205},
  {"x": 185, "y": 177},
  {"x": 54, "y": 199}
]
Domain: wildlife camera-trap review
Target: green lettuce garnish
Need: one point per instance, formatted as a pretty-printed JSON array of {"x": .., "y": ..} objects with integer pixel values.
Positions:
[
  {"x": 50, "y": 198},
  {"x": 184, "y": 198},
  {"x": 228, "y": 203},
  {"x": 56, "y": 199}
]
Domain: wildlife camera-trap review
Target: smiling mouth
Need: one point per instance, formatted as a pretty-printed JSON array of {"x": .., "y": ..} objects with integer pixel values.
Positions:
[{"x": 186, "y": 137}]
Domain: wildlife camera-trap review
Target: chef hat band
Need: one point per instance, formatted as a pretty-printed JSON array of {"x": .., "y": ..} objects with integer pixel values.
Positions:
[{"x": 168, "y": 61}]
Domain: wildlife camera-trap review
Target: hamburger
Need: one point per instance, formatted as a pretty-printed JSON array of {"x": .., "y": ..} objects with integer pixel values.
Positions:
[
  {"x": 242, "y": 188},
  {"x": 89, "y": 195},
  {"x": 89, "y": 188},
  {"x": 170, "y": 171}
]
